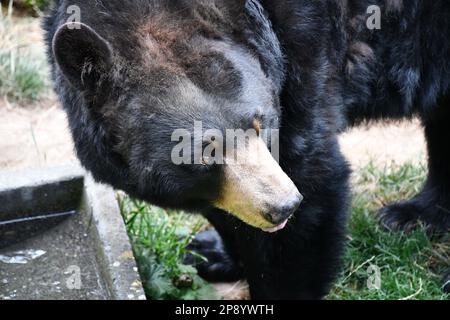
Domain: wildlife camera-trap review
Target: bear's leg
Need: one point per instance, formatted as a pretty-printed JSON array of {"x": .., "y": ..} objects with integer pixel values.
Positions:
[
  {"x": 221, "y": 264},
  {"x": 300, "y": 262},
  {"x": 432, "y": 205}
]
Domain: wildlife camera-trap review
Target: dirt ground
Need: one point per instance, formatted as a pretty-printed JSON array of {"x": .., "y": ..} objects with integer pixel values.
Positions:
[
  {"x": 383, "y": 144},
  {"x": 34, "y": 137}
]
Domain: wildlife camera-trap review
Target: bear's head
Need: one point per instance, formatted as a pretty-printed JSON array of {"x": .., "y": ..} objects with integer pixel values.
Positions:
[{"x": 178, "y": 105}]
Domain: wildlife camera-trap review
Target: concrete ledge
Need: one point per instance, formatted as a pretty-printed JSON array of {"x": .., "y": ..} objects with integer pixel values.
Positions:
[
  {"x": 114, "y": 249},
  {"x": 63, "y": 210}
]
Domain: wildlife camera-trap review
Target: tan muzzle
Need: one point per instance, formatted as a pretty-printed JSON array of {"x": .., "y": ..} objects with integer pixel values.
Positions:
[{"x": 256, "y": 190}]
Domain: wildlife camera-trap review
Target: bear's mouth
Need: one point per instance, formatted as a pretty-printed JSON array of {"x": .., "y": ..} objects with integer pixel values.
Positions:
[{"x": 276, "y": 228}]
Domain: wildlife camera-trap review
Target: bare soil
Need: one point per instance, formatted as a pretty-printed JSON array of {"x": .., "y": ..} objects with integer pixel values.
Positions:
[
  {"x": 33, "y": 137},
  {"x": 384, "y": 144}
]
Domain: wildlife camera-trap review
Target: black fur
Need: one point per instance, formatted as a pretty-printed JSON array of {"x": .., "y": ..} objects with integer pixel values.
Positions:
[
  {"x": 401, "y": 70},
  {"x": 330, "y": 73}
]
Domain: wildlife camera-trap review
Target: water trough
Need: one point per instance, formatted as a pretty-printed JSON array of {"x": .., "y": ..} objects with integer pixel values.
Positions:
[{"x": 62, "y": 237}]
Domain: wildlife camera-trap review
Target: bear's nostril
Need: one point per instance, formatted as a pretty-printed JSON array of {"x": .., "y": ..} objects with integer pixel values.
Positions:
[
  {"x": 280, "y": 214},
  {"x": 292, "y": 206}
]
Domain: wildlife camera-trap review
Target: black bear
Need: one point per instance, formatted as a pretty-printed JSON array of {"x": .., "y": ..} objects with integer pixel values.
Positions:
[
  {"x": 374, "y": 60},
  {"x": 131, "y": 74}
]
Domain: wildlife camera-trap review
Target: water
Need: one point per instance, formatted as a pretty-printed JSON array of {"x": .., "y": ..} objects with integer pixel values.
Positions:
[
  {"x": 37, "y": 218},
  {"x": 19, "y": 228},
  {"x": 56, "y": 262},
  {"x": 22, "y": 256}
]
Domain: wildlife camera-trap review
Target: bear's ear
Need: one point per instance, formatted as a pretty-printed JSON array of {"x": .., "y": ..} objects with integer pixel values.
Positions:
[{"x": 83, "y": 56}]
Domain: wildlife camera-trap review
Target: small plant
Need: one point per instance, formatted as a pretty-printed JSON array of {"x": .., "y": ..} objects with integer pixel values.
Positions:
[
  {"x": 23, "y": 71},
  {"x": 159, "y": 240},
  {"x": 31, "y": 7},
  {"x": 40, "y": 4}
]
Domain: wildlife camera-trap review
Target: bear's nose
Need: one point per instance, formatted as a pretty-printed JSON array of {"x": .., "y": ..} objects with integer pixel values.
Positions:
[{"x": 279, "y": 214}]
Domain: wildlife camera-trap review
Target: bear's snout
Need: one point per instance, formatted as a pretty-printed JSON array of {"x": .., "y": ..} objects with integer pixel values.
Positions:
[
  {"x": 256, "y": 190},
  {"x": 278, "y": 214}
]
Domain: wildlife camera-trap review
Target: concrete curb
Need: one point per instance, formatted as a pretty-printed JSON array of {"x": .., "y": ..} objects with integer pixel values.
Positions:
[
  {"x": 28, "y": 193},
  {"x": 114, "y": 248}
]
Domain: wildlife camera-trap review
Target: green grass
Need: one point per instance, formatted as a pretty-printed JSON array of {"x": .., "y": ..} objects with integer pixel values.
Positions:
[
  {"x": 410, "y": 265},
  {"x": 28, "y": 7},
  {"x": 24, "y": 73},
  {"x": 35, "y": 4},
  {"x": 159, "y": 239}
]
